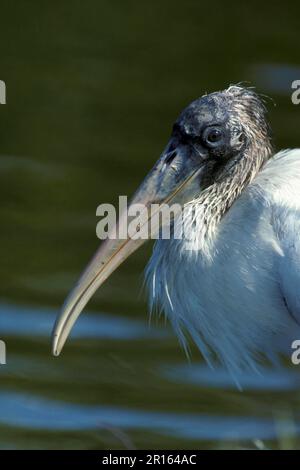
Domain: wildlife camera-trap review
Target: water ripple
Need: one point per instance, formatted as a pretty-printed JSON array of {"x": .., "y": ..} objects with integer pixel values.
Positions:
[
  {"x": 32, "y": 412},
  {"x": 23, "y": 321}
]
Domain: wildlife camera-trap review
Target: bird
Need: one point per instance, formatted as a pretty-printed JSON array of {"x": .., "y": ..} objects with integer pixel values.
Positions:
[{"x": 231, "y": 285}]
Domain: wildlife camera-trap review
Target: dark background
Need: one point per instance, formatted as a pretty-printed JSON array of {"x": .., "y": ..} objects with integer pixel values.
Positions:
[{"x": 93, "y": 88}]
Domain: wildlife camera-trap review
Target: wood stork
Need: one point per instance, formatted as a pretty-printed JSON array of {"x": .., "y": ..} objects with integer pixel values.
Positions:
[{"x": 233, "y": 286}]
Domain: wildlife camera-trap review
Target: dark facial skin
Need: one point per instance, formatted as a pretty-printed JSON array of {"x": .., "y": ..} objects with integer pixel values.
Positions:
[
  {"x": 207, "y": 127},
  {"x": 215, "y": 134}
]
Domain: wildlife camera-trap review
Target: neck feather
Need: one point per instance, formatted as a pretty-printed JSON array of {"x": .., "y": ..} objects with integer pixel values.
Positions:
[{"x": 214, "y": 201}]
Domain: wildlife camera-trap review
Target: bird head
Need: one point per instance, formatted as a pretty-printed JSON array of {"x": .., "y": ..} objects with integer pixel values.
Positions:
[{"x": 219, "y": 139}]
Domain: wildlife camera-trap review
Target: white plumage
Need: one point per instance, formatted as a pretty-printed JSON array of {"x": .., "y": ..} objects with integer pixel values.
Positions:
[{"x": 238, "y": 292}]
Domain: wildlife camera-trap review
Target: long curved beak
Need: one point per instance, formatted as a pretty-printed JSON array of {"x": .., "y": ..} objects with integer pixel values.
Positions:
[{"x": 166, "y": 181}]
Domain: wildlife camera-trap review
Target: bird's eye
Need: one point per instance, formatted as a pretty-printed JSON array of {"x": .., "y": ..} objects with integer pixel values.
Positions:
[{"x": 212, "y": 136}]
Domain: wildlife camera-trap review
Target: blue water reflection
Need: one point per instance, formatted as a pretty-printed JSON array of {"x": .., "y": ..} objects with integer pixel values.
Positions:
[
  {"x": 33, "y": 412},
  {"x": 202, "y": 376},
  {"x": 22, "y": 321}
]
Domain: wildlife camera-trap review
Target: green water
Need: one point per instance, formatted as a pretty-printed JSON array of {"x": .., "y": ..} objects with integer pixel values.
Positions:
[{"x": 92, "y": 91}]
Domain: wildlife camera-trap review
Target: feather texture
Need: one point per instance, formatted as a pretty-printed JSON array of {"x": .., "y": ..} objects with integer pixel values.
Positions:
[{"x": 233, "y": 286}]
